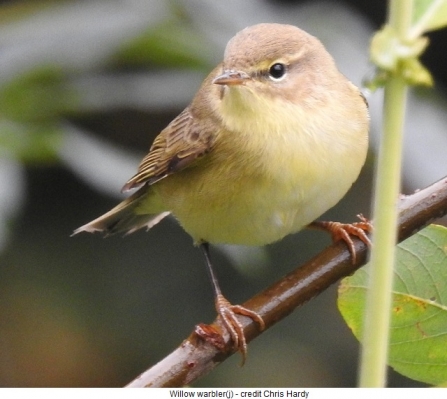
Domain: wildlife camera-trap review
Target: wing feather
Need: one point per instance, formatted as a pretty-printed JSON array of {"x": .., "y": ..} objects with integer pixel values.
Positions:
[{"x": 176, "y": 147}]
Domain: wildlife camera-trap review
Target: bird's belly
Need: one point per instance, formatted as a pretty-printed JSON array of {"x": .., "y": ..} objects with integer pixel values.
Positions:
[
  {"x": 253, "y": 209},
  {"x": 252, "y": 217}
]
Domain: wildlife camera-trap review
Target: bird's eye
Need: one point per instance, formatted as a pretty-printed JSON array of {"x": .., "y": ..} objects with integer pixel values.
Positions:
[{"x": 277, "y": 71}]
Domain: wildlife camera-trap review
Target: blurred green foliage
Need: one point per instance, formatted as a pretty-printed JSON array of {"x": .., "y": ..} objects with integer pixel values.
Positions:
[
  {"x": 30, "y": 144},
  {"x": 37, "y": 96},
  {"x": 34, "y": 103},
  {"x": 173, "y": 43},
  {"x": 30, "y": 107}
]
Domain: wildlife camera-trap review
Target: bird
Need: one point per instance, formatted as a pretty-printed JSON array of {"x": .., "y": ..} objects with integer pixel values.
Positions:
[{"x": 274, "y": 137}]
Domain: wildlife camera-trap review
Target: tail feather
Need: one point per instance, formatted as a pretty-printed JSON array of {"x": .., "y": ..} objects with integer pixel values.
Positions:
[{"x": 123, "y": 218}]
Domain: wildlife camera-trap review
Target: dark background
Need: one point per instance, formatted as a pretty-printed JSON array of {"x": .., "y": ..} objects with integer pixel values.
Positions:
[{"x": 85, "y": 311}]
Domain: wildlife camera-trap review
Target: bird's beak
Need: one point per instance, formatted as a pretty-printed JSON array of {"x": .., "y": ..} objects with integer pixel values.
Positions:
[{"x": 231, "y": 78}]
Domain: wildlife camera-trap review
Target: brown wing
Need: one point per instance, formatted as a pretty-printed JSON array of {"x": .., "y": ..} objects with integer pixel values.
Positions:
[{"x": 179, "y": 144}]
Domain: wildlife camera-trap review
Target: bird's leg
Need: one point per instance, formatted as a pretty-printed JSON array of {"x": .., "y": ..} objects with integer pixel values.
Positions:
[
  {"x": 344, "y": 231},
  {"x": 227, "y": 311}
]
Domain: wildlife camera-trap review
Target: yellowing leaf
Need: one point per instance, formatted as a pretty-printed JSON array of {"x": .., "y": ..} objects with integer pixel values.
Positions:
[{"x": 418, "y": 336}]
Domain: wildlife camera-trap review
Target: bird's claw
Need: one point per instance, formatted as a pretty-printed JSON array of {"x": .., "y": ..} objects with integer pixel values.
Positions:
[
  {"x": 227, "y": 313},
  {"x": 345, "y": 231}
]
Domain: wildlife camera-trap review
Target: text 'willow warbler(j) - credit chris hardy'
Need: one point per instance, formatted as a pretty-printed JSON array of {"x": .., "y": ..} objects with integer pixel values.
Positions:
[{"x": 274, "y": 137}]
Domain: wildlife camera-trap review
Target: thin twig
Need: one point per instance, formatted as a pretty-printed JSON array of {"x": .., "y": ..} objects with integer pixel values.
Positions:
[{"x": 195, "y": 357}]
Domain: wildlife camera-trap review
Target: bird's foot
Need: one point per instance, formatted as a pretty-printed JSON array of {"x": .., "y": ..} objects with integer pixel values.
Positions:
[
  {"x": 228, "y": 313},
  {"x": 345, "y": 231}
]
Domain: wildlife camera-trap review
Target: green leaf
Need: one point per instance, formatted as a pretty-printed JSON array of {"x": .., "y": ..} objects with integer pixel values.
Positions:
[
  {"x": 429, "y": 15},
  {"x": 30, "y": 143},
  {"x": 36, "y": 96},
  {"x": 415, "y": 73},
  {"x": 387, "y": 49},
  {"x": 396, "y": 55},
  {"x": 173, "y": 43},
  {"x": 393, "y": 57},
  {"x": 418, "y": 336}
]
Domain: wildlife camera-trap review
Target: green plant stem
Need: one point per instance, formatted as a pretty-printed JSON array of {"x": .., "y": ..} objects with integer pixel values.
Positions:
[{"x": 373, "y": 364}]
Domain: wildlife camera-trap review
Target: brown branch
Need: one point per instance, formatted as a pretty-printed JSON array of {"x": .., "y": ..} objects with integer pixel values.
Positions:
[{"x": 195, "y": 357}]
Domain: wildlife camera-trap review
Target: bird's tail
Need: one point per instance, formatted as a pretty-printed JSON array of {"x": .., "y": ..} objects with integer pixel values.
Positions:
[{"x": 124, "y": 218}]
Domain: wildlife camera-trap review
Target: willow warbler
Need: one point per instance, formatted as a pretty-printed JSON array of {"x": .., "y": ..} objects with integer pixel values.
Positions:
[{"x": 274, "y": 137}]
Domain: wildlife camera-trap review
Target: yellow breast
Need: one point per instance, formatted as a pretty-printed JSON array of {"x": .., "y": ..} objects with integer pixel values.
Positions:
[{"x": 270, "y": 173}]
